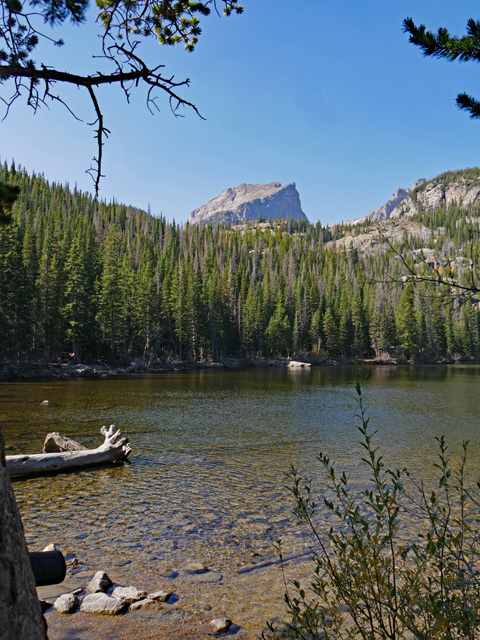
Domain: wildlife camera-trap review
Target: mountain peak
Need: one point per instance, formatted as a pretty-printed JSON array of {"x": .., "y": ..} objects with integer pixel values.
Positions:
[{"x": 249, "y": 202}]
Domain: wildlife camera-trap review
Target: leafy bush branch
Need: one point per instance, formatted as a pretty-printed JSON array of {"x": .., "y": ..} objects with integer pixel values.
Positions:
[{"x": 400, "y": 561}]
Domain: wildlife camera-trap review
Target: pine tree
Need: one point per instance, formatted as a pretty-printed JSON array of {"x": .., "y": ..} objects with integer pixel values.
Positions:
[{"x": 406, "y": 322}]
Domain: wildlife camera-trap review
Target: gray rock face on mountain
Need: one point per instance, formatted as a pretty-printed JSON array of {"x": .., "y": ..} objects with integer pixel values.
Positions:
[
  {"x": 385, "y": 211},
  {"x": 249, "y": 202},
  {"x": 439, "y": 193}
]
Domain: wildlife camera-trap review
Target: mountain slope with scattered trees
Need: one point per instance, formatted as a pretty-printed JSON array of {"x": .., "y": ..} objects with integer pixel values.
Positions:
[{"x": 113, "y": 283}]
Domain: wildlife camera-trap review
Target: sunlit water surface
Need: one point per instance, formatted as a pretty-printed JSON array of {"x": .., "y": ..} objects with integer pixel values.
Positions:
[{"x": 206, "y": 481}]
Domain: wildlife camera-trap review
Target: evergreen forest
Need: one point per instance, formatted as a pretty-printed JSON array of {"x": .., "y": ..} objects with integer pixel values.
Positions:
[{"x": 113, "y": 283}]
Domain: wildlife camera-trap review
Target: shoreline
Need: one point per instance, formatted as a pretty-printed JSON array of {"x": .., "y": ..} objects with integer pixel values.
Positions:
[{"x": 100, "y": 370}]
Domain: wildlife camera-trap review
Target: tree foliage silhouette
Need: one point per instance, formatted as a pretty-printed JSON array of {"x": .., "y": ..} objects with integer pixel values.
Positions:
[{"x": 444, "y": 45}]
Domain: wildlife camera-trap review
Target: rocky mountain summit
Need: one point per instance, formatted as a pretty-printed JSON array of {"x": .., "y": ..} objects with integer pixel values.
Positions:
[
  {"x": 251, "y": 202},
  {"x": 406, "y": 217},
  {"x": 452, "y": 188},
  {"x": 385, "y": 211},
  {"x": 460, "y": 187}
]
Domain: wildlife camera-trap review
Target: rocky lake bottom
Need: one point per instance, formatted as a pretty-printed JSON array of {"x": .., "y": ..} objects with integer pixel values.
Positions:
[{"x": 206, "y": 483}]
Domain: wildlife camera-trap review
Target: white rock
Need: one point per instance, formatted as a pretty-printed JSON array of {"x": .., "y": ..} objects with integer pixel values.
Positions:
[
  {"x": 45, "y": 403},
  {"x": 67, "y": 603},
  {"x": 129, "y": 594},
  {"x": 220, "y": 625},
  {"x": 102, "y": 604}
]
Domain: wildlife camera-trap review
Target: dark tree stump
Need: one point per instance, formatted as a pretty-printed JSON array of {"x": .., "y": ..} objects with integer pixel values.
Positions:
[{"x": 20, "y": 611}]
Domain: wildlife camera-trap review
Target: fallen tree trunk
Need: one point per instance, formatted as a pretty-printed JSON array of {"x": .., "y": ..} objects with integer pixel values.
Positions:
[{"x": 114, "y": 449}]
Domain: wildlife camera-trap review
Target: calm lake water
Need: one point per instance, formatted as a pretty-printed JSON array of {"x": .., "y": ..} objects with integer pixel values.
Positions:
[{"x": 206, "y": 480}]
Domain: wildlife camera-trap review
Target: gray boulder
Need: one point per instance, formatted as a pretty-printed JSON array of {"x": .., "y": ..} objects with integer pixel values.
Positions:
[
  {"x": 129, "y": 594},
  {"x": 66, "y": 603},
  {"x": 100, "y": 583},
  {"x": 102, "y": 604}
]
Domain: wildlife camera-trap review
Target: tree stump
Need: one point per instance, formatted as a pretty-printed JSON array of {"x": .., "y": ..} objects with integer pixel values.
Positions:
[{"x": 20, "y": 611}]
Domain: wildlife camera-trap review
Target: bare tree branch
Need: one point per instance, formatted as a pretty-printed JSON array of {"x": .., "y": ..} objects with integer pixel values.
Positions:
[
  {"x": 124, "y": 26},
  {"x": 437, "y": 278}
]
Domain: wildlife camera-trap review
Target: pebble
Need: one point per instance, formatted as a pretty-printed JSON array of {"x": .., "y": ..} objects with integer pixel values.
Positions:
[
  {"x": 195, "y": 567},
  {"x": 67, "y": 603},
  {"x": 100, "y": 583},
  {"x": 220, "y": 625}
]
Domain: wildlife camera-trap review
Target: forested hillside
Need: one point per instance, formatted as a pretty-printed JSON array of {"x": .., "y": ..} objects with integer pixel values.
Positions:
[{"x": 113, "y": 283}]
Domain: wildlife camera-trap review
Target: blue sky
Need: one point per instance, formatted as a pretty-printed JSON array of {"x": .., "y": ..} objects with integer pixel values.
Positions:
[{"x": 330, "y": 96}]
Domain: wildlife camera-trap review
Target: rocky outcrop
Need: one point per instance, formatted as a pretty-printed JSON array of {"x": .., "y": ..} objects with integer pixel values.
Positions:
[
  {"x": 251, "y": 202},
  {"x": 385, "y": 211},
  {"x": 441, "y": 192}
]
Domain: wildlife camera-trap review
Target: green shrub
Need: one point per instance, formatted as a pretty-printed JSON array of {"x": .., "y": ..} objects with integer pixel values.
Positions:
[{"x": 400, "y": 561}]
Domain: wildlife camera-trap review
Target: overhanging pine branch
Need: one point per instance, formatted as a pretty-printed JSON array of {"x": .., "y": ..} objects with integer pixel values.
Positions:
[
  {"x": 83, "y": 81},
  {"x": 29, "y": 77}
]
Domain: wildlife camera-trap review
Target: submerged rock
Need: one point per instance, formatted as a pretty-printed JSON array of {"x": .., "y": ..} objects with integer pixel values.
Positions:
[
  {"x": 146, "y": 604},
  {"x": 196, "y": 567},
  {"x": 160, "y": 596}
]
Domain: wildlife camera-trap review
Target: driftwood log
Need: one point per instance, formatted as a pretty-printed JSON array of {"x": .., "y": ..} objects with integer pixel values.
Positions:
[
  {"x": 55, "y": 443},
  {"x": 114, "y": 449}
]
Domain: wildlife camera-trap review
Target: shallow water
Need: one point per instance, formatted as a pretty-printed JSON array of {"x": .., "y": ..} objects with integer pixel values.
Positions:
[{"x": 206, "y": 480}]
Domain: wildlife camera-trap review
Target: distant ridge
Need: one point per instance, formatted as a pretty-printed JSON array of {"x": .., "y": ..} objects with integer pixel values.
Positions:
[
  {"x": 384, "y": 212},
  {"x": 249, "y": 202}
]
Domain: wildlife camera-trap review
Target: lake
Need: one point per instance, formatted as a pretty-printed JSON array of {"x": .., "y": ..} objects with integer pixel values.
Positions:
[{"x": 206, "y": 481}]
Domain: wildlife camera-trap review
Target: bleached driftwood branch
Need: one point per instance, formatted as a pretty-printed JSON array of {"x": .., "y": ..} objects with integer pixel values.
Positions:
[{"x": 114, "y": 449}]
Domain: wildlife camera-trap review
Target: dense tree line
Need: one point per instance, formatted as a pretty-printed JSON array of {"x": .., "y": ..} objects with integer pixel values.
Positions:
[{"x": 114, "y": 283}]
